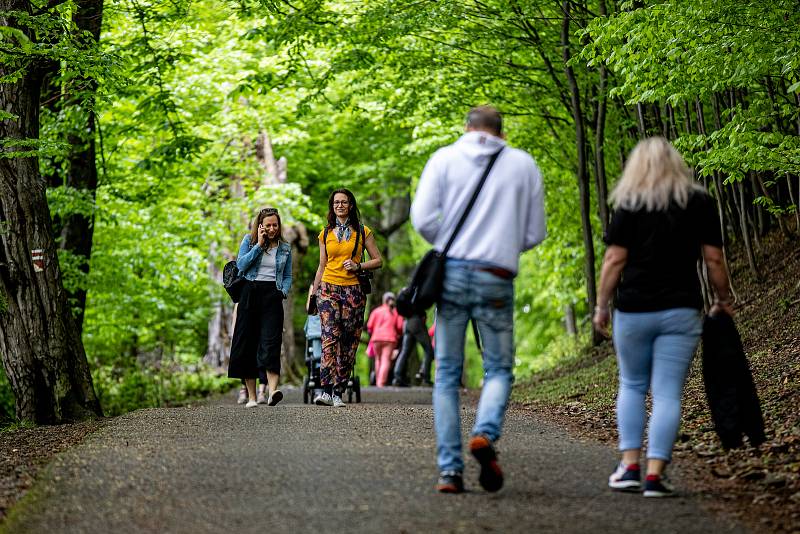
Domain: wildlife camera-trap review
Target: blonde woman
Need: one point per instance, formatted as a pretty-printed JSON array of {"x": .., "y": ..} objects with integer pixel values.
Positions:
[{"x": 663, "y": 224}]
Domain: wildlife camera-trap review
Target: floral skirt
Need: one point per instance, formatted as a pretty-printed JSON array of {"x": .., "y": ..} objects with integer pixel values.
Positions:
[{"x": 341, "y": 312}]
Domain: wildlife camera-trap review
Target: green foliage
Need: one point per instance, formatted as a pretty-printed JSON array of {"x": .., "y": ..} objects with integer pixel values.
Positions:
[
  {"x": 593, "y": 381},
  {"x": 7, "y": 404},
  {"x": 360, "y": 94},
  {"x": 121, "y": 390}
]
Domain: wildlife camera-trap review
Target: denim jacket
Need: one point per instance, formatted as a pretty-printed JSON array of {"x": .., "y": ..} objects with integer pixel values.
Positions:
[{"x": 249, "y": 260}]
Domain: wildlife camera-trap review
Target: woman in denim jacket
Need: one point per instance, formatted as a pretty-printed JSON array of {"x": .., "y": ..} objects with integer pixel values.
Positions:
[{"x": 265, "y": 261}]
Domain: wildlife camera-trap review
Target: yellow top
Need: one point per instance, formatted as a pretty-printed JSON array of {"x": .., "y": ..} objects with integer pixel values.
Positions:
[{"x": 335, "y": 272}]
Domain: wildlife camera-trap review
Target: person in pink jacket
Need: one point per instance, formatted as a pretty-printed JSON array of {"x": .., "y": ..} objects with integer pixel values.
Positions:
[{"x": 384, "y": 326}]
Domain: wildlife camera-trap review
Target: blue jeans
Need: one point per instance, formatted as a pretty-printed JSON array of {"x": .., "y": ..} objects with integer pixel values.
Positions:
[
  {"x": 471, "y": 294},
  {"x": 654, "y": 350}
]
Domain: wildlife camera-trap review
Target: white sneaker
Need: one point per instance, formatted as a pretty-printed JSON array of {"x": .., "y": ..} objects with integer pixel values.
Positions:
[
  {"x": 338, "y": 402},
  {"x": 242, "y": 395},
  {"x": 323, "y": 399},
  {"x": 251, "y": 404}
]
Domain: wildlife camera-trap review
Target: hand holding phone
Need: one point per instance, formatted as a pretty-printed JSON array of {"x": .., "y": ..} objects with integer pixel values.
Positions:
[{"x": 262, "y": 235}]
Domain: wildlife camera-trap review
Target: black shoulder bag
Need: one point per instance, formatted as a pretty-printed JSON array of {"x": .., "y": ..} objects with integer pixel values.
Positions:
[
  {"x": 233, "y": 281},
  {"x": 425, "y": 287},
  {"x": 364, "y": 277}
]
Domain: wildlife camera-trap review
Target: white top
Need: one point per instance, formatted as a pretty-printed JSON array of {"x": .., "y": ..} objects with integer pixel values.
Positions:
[
  {"x": 508, "y": 215},
  {"x": 266, "y": 271}
]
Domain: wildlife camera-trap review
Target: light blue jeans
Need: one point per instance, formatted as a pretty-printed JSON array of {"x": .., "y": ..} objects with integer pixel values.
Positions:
[
  {"x": 471, "y": 293},
  {"x": 654, "y": 350}
]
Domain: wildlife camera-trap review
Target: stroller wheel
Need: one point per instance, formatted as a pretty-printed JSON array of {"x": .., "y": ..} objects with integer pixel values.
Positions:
[
  {"x": 357, "y": 389},
  {"x": 306, "y": 392}
]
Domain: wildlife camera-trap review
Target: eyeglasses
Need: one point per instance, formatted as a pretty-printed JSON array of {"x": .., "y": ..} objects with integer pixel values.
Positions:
[
  {"x": 341, "y": 202},
  {"x": 269, "y": 211}
]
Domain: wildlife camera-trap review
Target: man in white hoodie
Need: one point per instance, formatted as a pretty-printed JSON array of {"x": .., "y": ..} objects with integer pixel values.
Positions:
[{"x": 506, "y": 220}]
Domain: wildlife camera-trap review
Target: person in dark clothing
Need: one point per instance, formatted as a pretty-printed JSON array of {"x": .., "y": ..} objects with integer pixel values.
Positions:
[
  {"x": 664, "y": 222},
  {"x": 266, "y": 263},
  {"x": 414, "y": 332}
]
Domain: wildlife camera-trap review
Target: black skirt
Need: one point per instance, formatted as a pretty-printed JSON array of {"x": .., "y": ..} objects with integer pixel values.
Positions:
[{"x": 258, "y": 333}]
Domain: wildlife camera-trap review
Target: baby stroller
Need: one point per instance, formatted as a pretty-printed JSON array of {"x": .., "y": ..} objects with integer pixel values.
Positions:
[{"x": 313, "y": 358}]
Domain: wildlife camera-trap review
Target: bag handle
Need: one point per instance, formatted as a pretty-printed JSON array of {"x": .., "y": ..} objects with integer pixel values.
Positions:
[{"x": 472, "y": 201}]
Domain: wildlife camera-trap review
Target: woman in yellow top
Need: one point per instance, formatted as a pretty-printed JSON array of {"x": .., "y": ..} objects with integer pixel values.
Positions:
[{"x": 340, "y": 300}]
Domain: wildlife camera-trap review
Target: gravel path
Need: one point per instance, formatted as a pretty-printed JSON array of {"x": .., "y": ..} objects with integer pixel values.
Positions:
[{"x": 366, "y": 468}]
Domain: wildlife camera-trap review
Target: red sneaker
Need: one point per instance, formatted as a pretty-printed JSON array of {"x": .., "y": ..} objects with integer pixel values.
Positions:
[{"x": 491, "y": 477}]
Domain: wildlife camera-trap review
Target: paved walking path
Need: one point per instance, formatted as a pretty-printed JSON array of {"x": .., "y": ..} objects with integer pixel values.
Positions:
[{"x": 222, "y": 468}]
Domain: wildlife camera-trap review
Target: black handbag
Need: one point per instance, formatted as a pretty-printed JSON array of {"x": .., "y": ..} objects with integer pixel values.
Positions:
[
  {"x": 425, "y": 287},
  {"x": 313, "y": 309},
  {"x": 233, "y": 281}
]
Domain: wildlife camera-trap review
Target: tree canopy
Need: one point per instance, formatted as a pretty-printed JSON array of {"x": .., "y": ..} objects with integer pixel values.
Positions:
[{"x": 167, "y": 103}]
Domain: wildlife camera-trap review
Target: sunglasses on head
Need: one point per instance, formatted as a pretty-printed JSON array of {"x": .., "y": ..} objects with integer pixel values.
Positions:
[{"x": 269, "y": 211}]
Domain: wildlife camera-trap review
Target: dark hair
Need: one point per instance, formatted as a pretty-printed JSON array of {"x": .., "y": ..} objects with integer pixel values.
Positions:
[
  {"x": 354, "y": 216},
  {"x": 485, "y": 118},
  {"x": 260, "y": 216}
]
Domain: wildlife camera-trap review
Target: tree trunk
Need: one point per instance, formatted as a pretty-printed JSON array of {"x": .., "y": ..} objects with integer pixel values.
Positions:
[
  {"x": 40, "y": 347},
  {"x": 394, "y": 212},
  {"x": 220, "y": 327},
  {"x": 743, "y": 223},
  {"x": 583, "y": 175},
  {"x": 640, "y": 120},
  {"x": 601, "y": 182},
  {"x": 794, "y": 202}
]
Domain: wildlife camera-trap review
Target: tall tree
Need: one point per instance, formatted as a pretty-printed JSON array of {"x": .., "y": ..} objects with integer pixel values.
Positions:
[{"x": 40, "y": 347}]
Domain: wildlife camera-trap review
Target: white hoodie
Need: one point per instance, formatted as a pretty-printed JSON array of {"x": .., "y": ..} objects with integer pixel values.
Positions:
[{"x": 508, "y": 215}]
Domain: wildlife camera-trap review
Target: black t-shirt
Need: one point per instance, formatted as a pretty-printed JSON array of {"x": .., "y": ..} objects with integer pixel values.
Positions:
[{"x": 663, "y": 249}]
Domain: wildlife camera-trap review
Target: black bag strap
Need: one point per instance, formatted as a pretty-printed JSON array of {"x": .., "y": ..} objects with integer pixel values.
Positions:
[
  {"x": 355, "y": 248},
  {"x": 471, "y": 201}
]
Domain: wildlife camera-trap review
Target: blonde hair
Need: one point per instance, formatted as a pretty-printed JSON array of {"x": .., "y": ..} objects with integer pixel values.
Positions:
[{"x": 654, "y": 177}]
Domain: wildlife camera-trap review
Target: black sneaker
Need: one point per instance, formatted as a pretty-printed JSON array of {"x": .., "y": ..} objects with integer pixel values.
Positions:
[
  {"x": 450, "y": 482},
  {"x": 658, "y": 486},
  {"x": 626, "y": 478},
  {"x": 275, "y": 398},
  {"x": 491, "y": 477}
]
